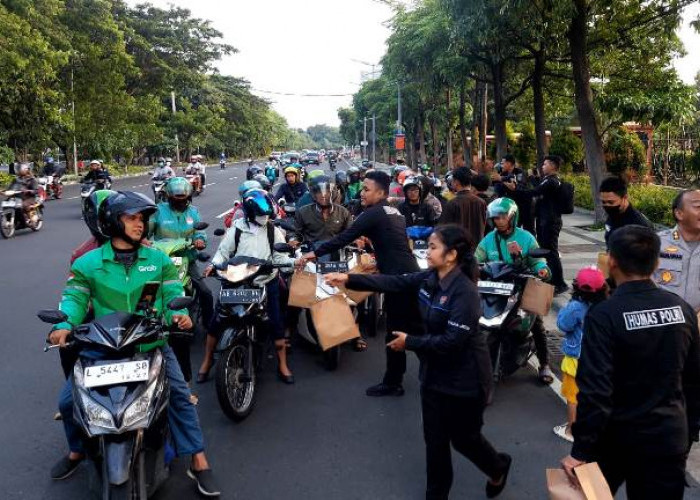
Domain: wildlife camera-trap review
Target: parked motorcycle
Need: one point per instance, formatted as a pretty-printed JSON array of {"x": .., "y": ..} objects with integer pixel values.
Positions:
[
  {"x": 243, "y": 309},
  {"x": 121, "y": 398},
  {"x": 14, "y": 215},
  {"x": 50, "y": 187},
  {"x": 508, "y": 328}
]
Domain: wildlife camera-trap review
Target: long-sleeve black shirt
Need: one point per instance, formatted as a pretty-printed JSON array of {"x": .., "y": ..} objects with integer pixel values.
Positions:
[
  {"x": 386, "y": 227},
  {"x": 546, "y": 192},
  {"x": 454, "y": 357},
  {"x": 420, "y": 214},
  {"x": 638, "y": 375},
  {"x": 626, "y": 218}
]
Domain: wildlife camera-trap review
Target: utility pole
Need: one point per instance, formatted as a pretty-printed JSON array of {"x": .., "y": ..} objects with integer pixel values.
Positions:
[
  {"x": 364, "y": 140},
  {"x": 399, "y": 120},
  {"x": 75, "y": 146},
  {"x": 374, "y": 138},
  {"x": 177, "y": 139},
  {"x": 484, "y": 120}
]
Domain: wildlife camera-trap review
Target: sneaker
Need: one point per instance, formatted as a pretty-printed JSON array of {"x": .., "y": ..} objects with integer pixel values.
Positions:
[
  {"x": 560, "y": 430},
  {"x": 205, "y": 482},
  {"x": 383, "y": 389},
  {"x": 64, "y": 468}
]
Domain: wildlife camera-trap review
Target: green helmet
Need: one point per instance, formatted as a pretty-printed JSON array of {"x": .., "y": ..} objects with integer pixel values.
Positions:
[
  {"x": 91, "y": 208},
  {"x": 313, "y": 174},
  {"x": 503, "y": 206},
  {"x": 178, "y": 186}
]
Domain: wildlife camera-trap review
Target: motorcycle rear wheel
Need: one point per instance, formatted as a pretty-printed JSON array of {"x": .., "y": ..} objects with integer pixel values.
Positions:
[
  {"x": 236, "y": 381},
  {"x": 7, "y": 224}
]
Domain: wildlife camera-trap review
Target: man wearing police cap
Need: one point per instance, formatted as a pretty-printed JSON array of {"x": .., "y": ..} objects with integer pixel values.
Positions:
[
  {"x": 679, "y": 263},
  {"x": 639, "y": 378}
]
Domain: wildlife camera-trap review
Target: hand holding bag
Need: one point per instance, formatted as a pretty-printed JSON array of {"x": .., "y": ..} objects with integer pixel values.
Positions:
[
  {"x": 537, "y": 297},
  {"x": 333, "y": 321},
  {"x": 302, "y": 290}
]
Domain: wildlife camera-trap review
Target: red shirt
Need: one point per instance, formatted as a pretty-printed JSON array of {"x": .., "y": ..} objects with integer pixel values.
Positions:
[{"x": 84, "y": 248}]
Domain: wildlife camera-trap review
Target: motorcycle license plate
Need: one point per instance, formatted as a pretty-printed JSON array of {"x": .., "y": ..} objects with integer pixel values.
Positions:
[
  {"x": 420, "y": 245},
  {"x": 332, "y": 267},
  {"x": 496, "y": 287},
  {"x": 240, "y": 295},
  {"x": 176, "y": 260},
  {"x": 116, "y": 373},
  {"x": 8, "y": 204}
]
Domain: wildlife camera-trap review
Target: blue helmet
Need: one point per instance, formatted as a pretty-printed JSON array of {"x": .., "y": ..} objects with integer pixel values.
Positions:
[{"x": 257, "y": 202}]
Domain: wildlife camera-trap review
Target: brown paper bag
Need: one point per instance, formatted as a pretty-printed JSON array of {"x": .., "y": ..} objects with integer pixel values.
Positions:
[
  {"x": 560, "y": 487},
  {"x": 603, "y": 263},
  {"x": 593, "y": 484},
  {"x": 334, "y": 322},
  {"x": 537, "y": 297},
  {"x": 354, "y": 295},
  {"x": 302, "y": 290}
]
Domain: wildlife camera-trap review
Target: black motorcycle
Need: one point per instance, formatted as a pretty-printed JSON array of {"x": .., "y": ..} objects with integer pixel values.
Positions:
[
  {"x": 507, "y": 326},
  {"x": 243, "y": 311},
  {"x": 121, "y": 397},
  {"x": 15, "y": 216}
]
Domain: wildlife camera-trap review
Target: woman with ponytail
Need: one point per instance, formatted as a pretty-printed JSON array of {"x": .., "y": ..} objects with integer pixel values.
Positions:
[{"x": 455, "y": 367}]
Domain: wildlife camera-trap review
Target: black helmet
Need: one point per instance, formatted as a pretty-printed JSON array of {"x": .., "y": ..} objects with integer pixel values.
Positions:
[
  {"x": 121, "y": 203},
  {"x": 91, "y": 209},
  {"x": 428, "y": 184},
  {"x": 341, "y": 178},
  {"x": 264, "y": 182},
  {"x": 257, "y": 203},
  {"x": 413, "y": 181},
  {"x": 353, "y": 174},
  {"x": 252, "y": 172}
]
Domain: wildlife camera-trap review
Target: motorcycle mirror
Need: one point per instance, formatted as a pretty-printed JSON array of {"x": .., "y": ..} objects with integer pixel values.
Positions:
[
  {"x": 200, "y": 226},
  {"x": 219, "y": 232},
  {"x": 283, "y": 248},
  {"x": 180, "y": 303},
  {"x": 281, "y": 201},
  {"x": 203, "y": 257},
  {"x": 539, "y": 253},
  {"x": 52, "y": 316}
]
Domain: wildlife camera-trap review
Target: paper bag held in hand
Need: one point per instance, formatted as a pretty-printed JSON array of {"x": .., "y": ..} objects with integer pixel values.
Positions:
[
  {"x": 591, "y": 479},
  {"x": 354, "y": 295},
  {"x": 603, "y": 264},
  {"x": 560, "y": 488},
  {"x": 334, "y": 322},
  {"x": 302, "y": 290},
  {"x": 537, "y": 297}
]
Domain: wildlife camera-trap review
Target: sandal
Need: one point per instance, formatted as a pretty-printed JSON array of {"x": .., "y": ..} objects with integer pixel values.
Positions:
[
  {"x": 360, "y": 345},
  {"x": 545, "y": 375}
]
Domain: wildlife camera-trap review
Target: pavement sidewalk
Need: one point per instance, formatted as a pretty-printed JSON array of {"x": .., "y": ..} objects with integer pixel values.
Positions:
[{"x": 579, "y": 246}]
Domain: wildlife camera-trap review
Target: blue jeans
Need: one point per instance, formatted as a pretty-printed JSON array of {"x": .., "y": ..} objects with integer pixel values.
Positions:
[{"x": 182, "y": 415}]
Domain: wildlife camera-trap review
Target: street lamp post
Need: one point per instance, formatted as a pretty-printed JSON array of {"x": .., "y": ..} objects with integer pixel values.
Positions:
[
  {"x": 374, "y": 138},
  {"x": 177, "y": 139},
  {"x": 364, "y": 140}
]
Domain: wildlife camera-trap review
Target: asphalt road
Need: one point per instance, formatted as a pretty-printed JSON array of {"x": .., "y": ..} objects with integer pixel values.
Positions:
[{"x": 319, "y": 439}]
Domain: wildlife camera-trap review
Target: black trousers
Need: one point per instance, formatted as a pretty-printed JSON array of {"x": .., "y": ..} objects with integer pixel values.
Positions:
[
  {"x": 402, "y": 315},
  {"x": 548, "y": 237},
  {"x": 457, "y": 421},
  {"x": 539, "y": 335},
  {"x": 646, "y": 478}
]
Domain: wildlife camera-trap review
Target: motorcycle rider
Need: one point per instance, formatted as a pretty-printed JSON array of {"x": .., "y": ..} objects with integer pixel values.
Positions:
[
  {"x": 508, "y": 243},
  {"x": 253, "y": 236},
  {"x": 175, "y": 219},
  {"x": 195, "y": 167},
  {"x": 162, "y": 172},
  {"x": 29, "y": 185},
  {"x": 107, "y": 278},
  {"x": 237, "y": 211},
  {"x": 308, "y": 197},
  {"x": 430, "y": 185},
  {"x": 414, "y": 208},
  {"x": 222, "y": 160},
  {"x": 97, "y": 173},
  {"x": 271, "y": 171},
  {"x": 354, "y": 184},
  {"x": 52, "y": 173},
  {"x": 293, "y": 189}
]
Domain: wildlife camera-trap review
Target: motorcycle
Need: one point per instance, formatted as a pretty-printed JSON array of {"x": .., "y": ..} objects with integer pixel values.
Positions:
[
  {"x": 196, "y": 182},
  {"x": 158, "y": 185},
  {"x": 332, "y": 162},
  {"x": 121, "y": 398},
  {"x": 243, "y": 302},
  {"x": 508, "y": 328},
  {"x": 89, "y": 187},
  {"x": 50, "y": 187},
  {"x": 418, "y": 241},
  {"x": 14, "y": 215},
  {"x": 222, "y": 164}
]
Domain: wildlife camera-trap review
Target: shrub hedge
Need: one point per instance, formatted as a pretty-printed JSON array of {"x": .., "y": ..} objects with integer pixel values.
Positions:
[{"x": 652, "y": 200}]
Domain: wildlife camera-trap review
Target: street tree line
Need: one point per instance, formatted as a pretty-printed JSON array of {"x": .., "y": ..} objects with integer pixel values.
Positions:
[
  {"x": 102, "y": 73},
  {"x": 468, "y": 69}
]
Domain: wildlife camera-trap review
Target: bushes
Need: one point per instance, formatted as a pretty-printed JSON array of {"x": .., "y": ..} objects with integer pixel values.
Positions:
[
  {"x": 5, "y": 179},
  {"x": 625, "y": 150},
  {"x": 525, "y": 149},
  {"x": 652, "y": 200},
  {"x": 569, "y": 147}
]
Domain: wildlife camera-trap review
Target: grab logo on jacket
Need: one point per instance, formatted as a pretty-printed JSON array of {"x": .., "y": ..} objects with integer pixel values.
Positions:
[{"x": 148, "y": 269}]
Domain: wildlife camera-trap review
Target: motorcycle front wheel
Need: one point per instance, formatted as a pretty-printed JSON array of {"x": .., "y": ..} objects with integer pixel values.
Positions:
[
  {"x": 7, "y": 225},
  {"x": 236, "y": 381},
  {"x": 37, "y": 224}
]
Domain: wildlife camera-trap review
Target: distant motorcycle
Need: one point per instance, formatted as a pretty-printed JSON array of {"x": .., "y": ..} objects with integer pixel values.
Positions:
[
  {"x": 50, "y": 187},
  {"x": 158, "y": 185},
  {"x": 222, "y": 164},
  {"x": 89, "y": 187},
  {"x": 14, "y": 216},
  {"x": 196, "y": 182}
]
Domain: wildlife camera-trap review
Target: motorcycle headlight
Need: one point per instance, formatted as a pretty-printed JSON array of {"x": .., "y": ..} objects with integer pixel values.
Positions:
[
  {"x": 96, "y": 416},
  {"x": 137, "y": 412}
]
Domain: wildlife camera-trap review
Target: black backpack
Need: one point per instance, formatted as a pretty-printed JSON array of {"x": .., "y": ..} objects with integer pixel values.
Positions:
[{"x": 565, "y": 198}]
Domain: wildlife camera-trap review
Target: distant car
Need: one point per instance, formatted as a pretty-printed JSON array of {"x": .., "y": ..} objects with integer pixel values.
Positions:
[
  {"x": 276, "y": 155},
  {"x": 311, "y": 158},
  {"x": 288, "y": 158}
]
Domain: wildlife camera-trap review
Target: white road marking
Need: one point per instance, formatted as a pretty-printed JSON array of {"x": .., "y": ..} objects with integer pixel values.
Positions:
[
  {"x": 210, "y": 184},
  {"x": 73, "y": 198},
  {"x": 223, "y": 214}
]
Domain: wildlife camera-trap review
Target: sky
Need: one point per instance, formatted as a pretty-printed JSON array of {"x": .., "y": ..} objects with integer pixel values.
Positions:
[{"x": 312, "y": 47}]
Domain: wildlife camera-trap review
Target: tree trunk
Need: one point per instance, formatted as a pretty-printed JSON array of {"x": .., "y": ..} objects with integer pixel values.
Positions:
[
  {"x": 538, "y": 98},
  {"x": 436, "y": 145},
  {"x": 592, "y": 142},
  {"x": 499, "y": 111},
  {"x": 420, "y": 126},
  {"x": 466, "y": 150},
  {"x": 448, "y": 131}
]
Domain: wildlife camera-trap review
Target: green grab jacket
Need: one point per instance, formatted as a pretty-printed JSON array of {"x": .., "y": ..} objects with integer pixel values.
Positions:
[
  {"x": 98, "y": 278},
  {"x": 487, "y": 251}
]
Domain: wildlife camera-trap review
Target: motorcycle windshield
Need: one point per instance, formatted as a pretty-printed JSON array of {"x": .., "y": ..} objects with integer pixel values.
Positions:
[
  {"x": 114, "y": 331},
  {"x": 171, "y": 246}
]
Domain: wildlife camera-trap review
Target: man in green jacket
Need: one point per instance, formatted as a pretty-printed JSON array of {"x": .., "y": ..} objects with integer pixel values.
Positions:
[
  {"x": 506, "y": 243},
  {"x": 112, "y": 278}
]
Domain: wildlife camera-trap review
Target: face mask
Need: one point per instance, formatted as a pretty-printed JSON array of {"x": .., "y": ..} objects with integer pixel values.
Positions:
[
  {"x": 262, "y": 220},
  {"x": 179, "y": 205},
  {"x": 613, "y": 211}
]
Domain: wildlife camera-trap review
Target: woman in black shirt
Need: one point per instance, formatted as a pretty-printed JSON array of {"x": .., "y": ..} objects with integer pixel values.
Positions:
[{"x": 455, "y": 368}]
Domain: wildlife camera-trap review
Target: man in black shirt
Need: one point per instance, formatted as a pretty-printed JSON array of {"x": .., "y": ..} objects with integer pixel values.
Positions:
[
  {"x": 386, "y": 228},
  {"x": 512, "y": 174},
  {"x": 616, "y": 203},
  {"x": 414, "y": 207},
  {"x": 638, "y": 377}
]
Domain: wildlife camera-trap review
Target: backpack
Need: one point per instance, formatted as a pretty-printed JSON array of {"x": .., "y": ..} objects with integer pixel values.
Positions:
[
  {"x": 565, "y": 198},
  {"x": 270, "y": 237}
]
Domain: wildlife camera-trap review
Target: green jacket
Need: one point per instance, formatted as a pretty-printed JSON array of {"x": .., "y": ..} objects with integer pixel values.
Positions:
[
  {"x": 169, "y": 224},
  {"x": 487, "y": 251},
  {"x": 98, "y": 278}
]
